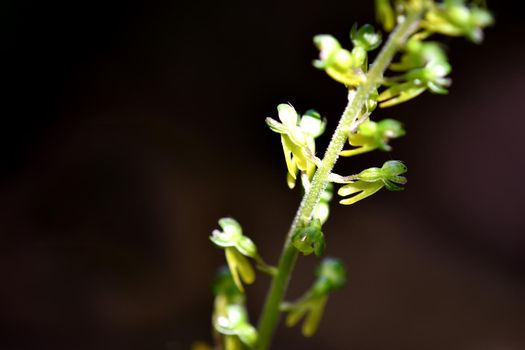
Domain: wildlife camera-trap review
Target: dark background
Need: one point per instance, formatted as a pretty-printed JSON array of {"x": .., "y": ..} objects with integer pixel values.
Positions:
[{"x": 130, "y": 127}]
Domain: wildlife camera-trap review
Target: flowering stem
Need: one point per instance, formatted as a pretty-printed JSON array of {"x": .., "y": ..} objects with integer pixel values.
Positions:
[{"x": 357, "y": 99}]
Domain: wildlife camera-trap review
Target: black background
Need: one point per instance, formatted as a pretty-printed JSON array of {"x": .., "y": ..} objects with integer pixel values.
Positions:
[{"x": 129, "y": 128}]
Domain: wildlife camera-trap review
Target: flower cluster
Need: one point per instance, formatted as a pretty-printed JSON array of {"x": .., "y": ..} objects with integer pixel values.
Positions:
[
  {"x": 422, "y": 65},
  {"x": 425, "y": 67},
  {"x": 458, "y": 18},
  {"x": 347, "y": 67},
  {"x": 331, "y": 276}
]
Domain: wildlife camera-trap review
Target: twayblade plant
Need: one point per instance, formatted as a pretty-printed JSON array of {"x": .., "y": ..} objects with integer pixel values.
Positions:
[{"x": 414, "y": 64}]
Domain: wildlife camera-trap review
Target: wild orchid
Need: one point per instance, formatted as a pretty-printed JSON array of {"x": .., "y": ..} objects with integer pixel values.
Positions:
[{"x": 422, "y": 66}]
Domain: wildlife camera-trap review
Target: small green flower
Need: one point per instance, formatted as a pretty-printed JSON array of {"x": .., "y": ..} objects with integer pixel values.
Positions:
[
  {"x": 331, "y": 275},
  {"x": 342, "y": 65},
  {"x": 310, "y": 239},
  {"x": 298, "y": 139},
  {"x": 426, "y": 67},
  {"x": 418, "y": 53},
  {"x": 236, "y": 246},
  {"x": 339, "y": 63},
  {"x": 234, "y": 322},
  {"x": 457, "y": 18},
  {"x": 371, "y": 135},
  {"x": 371, "y": 180}
]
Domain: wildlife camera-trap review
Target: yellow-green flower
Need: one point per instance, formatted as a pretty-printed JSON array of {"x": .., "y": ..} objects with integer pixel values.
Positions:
[
  {"x": 234, "y": 322},
  {"x": 371, "y": 135},
  {"x": 298, "y": 139},
  {"x": 458, "y": 18},
  {"x": 426, "y": 68},
  {"x": 230, "y": 318},
  {"x": 331, "y": 276},
  {"x": 236, "y": 247},
  {"x": 347, "y": 67},
  {"x": 371, "y": 180}
]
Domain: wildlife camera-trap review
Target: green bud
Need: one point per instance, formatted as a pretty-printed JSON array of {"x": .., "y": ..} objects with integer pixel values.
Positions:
[
  {"x": 391, "y": 175},
  {"x": 309, "y": 239},
  {"x": 365, "y": 37},
  {"x": 331, "y": 275},
  {"x": 393, "y": 168}
]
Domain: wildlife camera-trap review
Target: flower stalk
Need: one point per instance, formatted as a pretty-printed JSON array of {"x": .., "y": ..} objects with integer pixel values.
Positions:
[
  {"x": 422, "y": 66},
  {"x": 356, "y": 100}
]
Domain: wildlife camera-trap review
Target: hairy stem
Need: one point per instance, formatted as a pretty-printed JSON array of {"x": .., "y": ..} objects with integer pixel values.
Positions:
[{"x": 356, "y": 100}]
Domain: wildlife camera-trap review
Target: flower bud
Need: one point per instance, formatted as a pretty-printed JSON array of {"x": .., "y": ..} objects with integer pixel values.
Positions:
[
  {"x": 310, "y": 239},
  {"x": 331, "y": 275},
  {"x": 365, "y": 37}
]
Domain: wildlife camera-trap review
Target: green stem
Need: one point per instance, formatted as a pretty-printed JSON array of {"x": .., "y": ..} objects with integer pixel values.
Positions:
[{"x": 357, "y": 99}]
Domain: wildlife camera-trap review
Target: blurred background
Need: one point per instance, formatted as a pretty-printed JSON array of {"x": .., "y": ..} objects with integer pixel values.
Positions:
[{"x": 130, "y": 127}]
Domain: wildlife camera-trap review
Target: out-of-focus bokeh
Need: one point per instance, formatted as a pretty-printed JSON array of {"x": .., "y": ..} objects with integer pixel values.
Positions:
[{"x": 130, "y": 127}]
